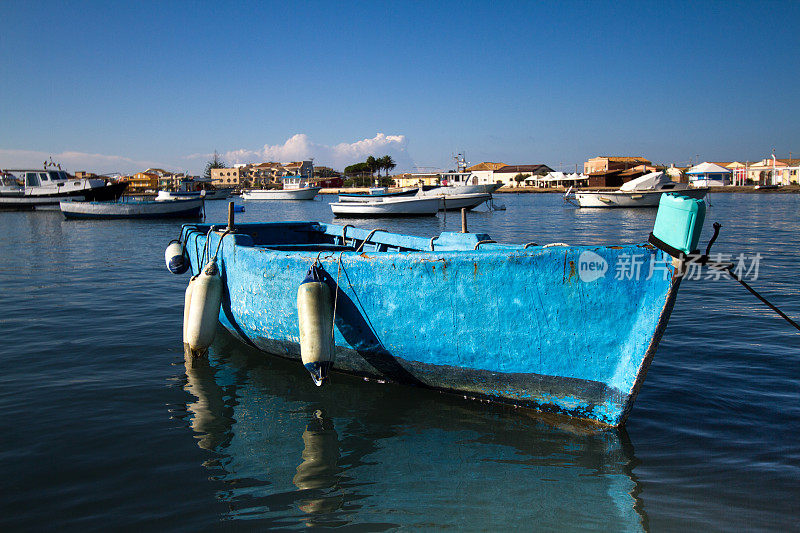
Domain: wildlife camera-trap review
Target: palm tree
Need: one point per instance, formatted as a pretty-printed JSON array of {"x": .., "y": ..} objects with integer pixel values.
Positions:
[
  {"x": 372, "y": 163},
  {"x": 388, "y": 163}
]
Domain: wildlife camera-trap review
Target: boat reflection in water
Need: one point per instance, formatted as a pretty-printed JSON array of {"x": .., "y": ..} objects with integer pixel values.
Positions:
[
  {"x": 319, "y": 470},
  {"x": 211, "y": 418},
  {"x": 376, "y": 455}
]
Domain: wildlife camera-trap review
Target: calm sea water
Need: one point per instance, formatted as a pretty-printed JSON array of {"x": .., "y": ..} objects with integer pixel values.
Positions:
[{"x": 105, "y": 427}]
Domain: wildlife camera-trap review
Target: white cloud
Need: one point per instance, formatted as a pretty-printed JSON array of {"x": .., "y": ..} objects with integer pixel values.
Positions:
[
  {"x": 73, "y": 161},
  {"x": 299, "y": 147},
  {"x": 296, "y": 148}
]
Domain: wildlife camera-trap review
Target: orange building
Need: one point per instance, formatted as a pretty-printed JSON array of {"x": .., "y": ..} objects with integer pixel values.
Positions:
[
  {"x": 143, "y": 181},
  {"x": 610, "y": 163}
]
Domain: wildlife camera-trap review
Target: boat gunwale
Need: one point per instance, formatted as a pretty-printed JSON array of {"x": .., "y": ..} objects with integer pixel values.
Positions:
[{"x": 397, "y": 241}]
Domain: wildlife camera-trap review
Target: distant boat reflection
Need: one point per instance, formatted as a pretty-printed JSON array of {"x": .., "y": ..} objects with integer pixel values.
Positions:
[{"x": 381, "y": 455}]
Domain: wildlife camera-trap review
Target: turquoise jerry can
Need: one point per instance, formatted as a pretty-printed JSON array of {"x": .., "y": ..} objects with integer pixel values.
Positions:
[{"x": 679, "y": 221}]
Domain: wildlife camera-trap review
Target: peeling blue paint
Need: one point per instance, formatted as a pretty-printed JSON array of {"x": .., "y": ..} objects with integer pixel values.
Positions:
[{"x": 508, "y": 323}]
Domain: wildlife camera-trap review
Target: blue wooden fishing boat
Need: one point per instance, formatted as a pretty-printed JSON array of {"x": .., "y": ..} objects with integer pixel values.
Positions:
[{"x": 552, "y": 327}]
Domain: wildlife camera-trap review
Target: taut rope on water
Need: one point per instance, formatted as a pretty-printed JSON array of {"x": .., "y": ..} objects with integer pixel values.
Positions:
[{"x": 728, "y": 267}]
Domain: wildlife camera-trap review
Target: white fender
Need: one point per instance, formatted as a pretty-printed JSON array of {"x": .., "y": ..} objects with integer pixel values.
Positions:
[
  {"x": 176, "y": 260},
  {"x": 187, "y": 299},
  {"x": 315, "y": 317},
  {"x": 206, "y": 297}
]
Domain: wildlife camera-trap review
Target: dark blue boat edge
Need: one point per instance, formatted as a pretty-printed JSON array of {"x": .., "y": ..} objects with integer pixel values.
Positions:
[{"x": 468, "y": 383}]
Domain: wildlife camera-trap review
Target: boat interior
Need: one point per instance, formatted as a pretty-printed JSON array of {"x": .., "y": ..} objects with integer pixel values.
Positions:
[{"x": 321, "y": 237}]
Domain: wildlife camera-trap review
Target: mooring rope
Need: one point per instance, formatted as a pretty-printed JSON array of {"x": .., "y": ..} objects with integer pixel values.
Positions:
[
  {"x": 205, "y": 245},
  {"x": 728, "y": 267},
  {"x": 219, "y": 244},
  {"x": 344, "y": 233},
  {"x": 336, "y": 298}
]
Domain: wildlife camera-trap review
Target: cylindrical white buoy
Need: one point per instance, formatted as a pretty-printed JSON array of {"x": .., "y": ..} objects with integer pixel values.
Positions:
[
  {"x": 187, "y": 302},
  {"x": 176, "y": 260},
  {"x": 315, "y": 316},
  {"x": 205, "y": 300}
]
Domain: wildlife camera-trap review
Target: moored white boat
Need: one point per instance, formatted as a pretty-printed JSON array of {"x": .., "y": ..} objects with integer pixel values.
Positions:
[
  {"x": 306, "y": 193},
  {"x": 644, "y": 191},
  {"x": 487, "y": 188},
  {"x": 44, "y": 189},
  {"x": 210, "y": 194},
  {"x": 388, "y": 207},
  {"x": 377, "y": 193},
  {"x": 133, "y": 209},
  {"x": 456, "y": 202}
]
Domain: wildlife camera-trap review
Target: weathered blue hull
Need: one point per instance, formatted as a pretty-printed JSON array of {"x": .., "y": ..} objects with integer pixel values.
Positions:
[{"x": 511, "y": 324}]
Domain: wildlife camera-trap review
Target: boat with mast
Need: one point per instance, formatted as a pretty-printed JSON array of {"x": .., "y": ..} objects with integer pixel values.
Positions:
[{"x": 27, "y": 189}]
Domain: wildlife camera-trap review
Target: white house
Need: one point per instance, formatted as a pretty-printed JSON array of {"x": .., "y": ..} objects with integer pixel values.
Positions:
[{"x": 709, "y": 175}]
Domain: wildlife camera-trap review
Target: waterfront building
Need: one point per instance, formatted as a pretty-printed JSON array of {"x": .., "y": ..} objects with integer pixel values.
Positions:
[
  {"x": 82, "y": 174},
  {"x": 607, "y": 163},
  {"x": 558, "y": 179},
  {"x": 325, "y": 172},
  {"x": 613, "y": 171},
  {"x": 416, "y": 179},
  {"x": 227, "y": 177},
  {"x": 507, "y": 173},
  {"x": 708, "y": 174},
  {"x": 484, "y": 172},
  {"x": 738, "y": 172},
  {"x": 677, "y": 174},
  {"x": 167, "y": 181},
  {"x": 490, "y": 173},
  {"x": 299, "y": 168},
  {"x": 143, "y": 181},
  {"x": 331, "y": 182},
  {"x": 615, "y": 178},
  {"x": 773, "y": 171},
  {"x": 259, "y": 175},
  {"x": 263, "y": 174},
  {"x": 486, "y": 165}
]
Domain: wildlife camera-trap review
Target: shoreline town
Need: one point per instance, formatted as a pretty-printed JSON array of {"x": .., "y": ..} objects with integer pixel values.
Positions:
[{"x": 601, "y": 173}]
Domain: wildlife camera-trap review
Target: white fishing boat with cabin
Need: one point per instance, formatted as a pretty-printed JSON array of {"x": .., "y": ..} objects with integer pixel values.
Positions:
[
  {"x": 194, "y": 188},
  {"x": 294, "y": 188},
  {"x": 26, "y": 189},
  {"x": 644, "y": 191},
  {"x": 307, "y": 193}
]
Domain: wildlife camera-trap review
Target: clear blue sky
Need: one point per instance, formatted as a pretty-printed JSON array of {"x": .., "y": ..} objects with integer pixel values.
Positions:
[{"x": 114, "y": 86}]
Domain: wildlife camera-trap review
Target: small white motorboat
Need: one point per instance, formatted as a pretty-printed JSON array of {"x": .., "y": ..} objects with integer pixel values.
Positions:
[
  {"x": 305, "y": 193},
  {"x": 388, "y": 207},
  {"x": 644, "y": 191},
  {"x": 456, "y": 202},
  {"x": 210, "y": 194},
  {"x": 451, "y": 190},
  {"x": 376, "y": 193},
  {"x": 133, "y": 209}
]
